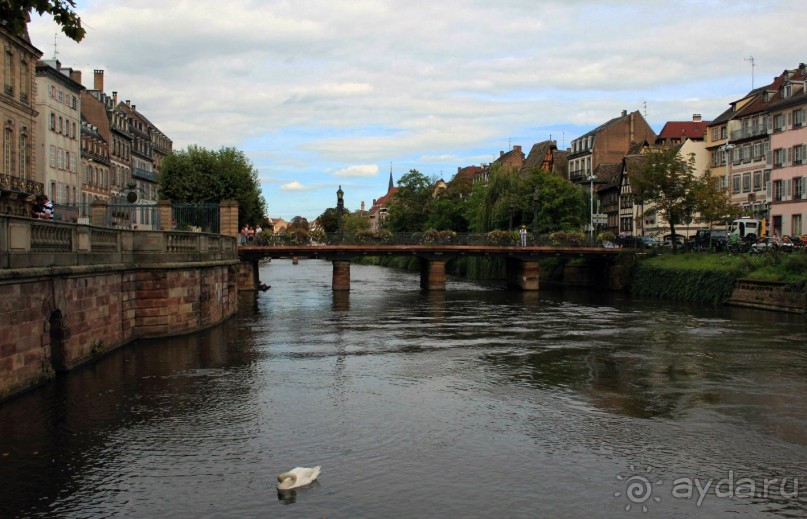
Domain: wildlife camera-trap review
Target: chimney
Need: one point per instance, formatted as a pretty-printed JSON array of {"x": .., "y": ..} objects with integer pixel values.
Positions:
[
  {"x": 75, "y": 75},
  {"x": 362, "y": 206},
  {"x": 696, "y": 118},
  {"x": 134, "y": 107},
  {"x": 517, "y": 148},
  {"x": 624, "y": 113},
  {"x": 501, "y": 153},
  {"x": 459, "y": 169},
  {"x": 115, "y": 97},
  {"x": 128, "y": 103},
  {"x": 98, "y": 83}
]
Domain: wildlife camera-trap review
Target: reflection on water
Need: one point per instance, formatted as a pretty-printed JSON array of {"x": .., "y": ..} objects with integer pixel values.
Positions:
[{"x": 470, "y": 402}]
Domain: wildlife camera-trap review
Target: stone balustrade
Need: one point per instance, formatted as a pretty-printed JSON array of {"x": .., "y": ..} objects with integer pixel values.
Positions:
[{"x": 28, "y": 242}]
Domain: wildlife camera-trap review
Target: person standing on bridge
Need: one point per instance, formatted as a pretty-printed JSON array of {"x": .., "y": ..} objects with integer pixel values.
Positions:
[
  {"x": 244, "y": 231},
  {"x": 522, "y": 234}
]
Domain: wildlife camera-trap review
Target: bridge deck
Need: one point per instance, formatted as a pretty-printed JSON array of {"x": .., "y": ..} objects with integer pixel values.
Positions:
[{"x": 333, "y": 251}]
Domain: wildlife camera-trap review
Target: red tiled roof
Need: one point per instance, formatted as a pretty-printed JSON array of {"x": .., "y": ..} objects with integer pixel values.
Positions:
[
  {"x": 381, "y": 202},
  {"x": 683, "y": 130}
]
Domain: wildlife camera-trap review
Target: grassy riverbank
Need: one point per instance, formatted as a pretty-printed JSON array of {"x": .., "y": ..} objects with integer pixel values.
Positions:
[
  {"x": 700, "y": 278},
  {"x": 710, "y": 278}
]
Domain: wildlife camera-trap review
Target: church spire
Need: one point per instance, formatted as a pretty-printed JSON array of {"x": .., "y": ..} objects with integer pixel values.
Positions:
[{"x": 391, "y": 185}]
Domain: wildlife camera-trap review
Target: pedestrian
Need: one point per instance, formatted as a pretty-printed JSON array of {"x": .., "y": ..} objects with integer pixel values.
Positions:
[
  {"x": 42, "y": 208},
  {"x": 258, "y": 230},
  {"x": 522, "y": 233},
  {"x": 250, "y": 233},
  {"x": 243, "y": 238}
]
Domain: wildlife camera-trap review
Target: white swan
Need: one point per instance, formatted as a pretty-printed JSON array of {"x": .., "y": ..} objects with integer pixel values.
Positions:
[{"x": 297, "y": 477}]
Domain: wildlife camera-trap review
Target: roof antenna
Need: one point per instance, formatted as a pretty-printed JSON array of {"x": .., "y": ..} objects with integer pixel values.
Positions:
[
  {"x": 644, "y": 106},
  {"x": 751, "y": 59},
  {"x": 55, "y": 52}
]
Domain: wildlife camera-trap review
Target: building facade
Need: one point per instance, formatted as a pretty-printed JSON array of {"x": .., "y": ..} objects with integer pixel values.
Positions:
[
  {"x": 58, "y": 102},
  {"x": 20, "y": 178},
  {"x": 607, "y": 144},
  {"x": 789, "y": 155}
]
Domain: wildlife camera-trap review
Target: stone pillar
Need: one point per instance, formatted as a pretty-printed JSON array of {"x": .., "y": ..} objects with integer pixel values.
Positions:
[
  {"x": 522, "y": 274},
  {"x": 166, "y": 216},
  {"x": 432, "y": 274},
  {"x": 228, "y": 218},
  {"x": 248, "y": 278},
  {"x": 341, "y": 275},
  {"x": 99, "y": 213}
]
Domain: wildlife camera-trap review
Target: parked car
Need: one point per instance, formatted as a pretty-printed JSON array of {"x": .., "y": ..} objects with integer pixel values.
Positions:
[
  {"x": 679, "y": 242},
  {"x": 638, "y": 242},
  {"x": 708, "y": 239},
  {"x": 796, "y": 241},
  {"x": 771, "y": 244}
]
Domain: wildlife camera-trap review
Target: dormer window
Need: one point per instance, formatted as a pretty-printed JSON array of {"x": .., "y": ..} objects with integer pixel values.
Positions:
[{"x": 787, "y": 90}]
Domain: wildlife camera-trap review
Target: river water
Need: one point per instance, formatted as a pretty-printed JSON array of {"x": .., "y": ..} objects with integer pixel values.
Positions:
[{"x": 476, "y": 402}]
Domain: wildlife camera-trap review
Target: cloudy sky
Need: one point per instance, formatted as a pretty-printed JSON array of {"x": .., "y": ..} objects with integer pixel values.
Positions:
[{"x": 320, "y": 94}]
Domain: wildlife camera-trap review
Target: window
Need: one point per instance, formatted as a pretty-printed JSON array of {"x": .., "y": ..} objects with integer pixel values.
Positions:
[
  {"x": 735, "y": 184},
  {"x": 7, "y": 139},
  {"x": 778, "y": 158},
  {"x": 73, "y": 166},
  {"x": 746, "y": 153},
  {"x": 53, "y": 121},
  {"x": 736, "y": 155},
  {"x": 779, "y": 122},
  {"x": 23, "y": 156},
  {"x": 9, "y": 72},
  {"x": 798, "y": 188},
  {"x": 777, "y": 191},
  {"x": 796, "y": 225},
  {"x": 798, "y": 154},
  {"x": 757, "y": 181},
  {"x": 60, "y": 96},
  {"x": 724, "y": 132},
  {"x": 746, "y": 182},
  {"x": 715, "y": 134},
  {"x": 25, "y": 81},
  {"x": 52, "y": 156},
  {"x": 757, "y": 150},
  {"x": 798, "y": 118}
]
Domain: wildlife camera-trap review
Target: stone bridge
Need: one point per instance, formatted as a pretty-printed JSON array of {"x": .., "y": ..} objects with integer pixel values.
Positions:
[{"x": 521, "y": 262}]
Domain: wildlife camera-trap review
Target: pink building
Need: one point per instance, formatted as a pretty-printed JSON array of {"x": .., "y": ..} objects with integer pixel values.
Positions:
[{"x": 789, "y": 154}]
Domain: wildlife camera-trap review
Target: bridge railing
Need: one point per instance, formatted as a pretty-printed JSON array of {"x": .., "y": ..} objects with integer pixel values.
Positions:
[
  {"x": 28, "y": 242},
  {"x": 494, "y": 238}
]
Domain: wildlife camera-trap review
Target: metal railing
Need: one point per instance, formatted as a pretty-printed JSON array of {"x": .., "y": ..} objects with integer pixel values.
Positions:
[{"x": 433, "y": 238}]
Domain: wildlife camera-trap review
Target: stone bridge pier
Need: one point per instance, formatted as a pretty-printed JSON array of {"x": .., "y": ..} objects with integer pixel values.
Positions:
[{"x": 522, "y": 274}]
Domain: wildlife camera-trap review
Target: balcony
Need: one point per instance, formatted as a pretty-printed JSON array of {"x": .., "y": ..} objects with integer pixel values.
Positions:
[
  {"x": 21, "y": 185},
  {"x": 144, "y": 174},
  {"x": 747, "y": 133}
]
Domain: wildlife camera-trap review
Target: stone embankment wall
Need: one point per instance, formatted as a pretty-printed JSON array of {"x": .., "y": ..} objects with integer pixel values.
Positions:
[
  {"x": 769, "y": 295},
  {"x": 69, "y": 293}
]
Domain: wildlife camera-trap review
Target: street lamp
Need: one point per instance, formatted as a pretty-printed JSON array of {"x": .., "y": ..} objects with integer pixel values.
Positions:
[
  {"x": 591, "y": 179},
  {"x": 535, "y": 211},
  {"x": 511, "y": 209},
  {"x": 726, "y": 148},
  {"x": 340, "y": 206}
]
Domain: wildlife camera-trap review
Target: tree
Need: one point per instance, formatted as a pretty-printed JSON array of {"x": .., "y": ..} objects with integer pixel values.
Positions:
[
  {"x": 667, "y": 182},
  {"x": 713, "y": 203},
  {"x": 355, "y": 222},
  {"x": 408, "y": 208},
  {"x": 298, "y": 222},
  {"x": 15, "y": 15},
  {"x": 199, "y": 175},
  {"x": 329, "y": 220}
]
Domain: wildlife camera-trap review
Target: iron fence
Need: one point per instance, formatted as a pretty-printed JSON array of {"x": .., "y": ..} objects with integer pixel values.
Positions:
[
  {"x": 495, "y": 238},
  {"x": 196, "y": 217}
]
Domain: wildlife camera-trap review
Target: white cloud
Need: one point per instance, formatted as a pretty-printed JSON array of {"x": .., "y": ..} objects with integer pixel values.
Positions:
[
  {"x": 294, "y": 186},
  {"x": 310, "y": 86},
  {"x": 367, "y": 170}
]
